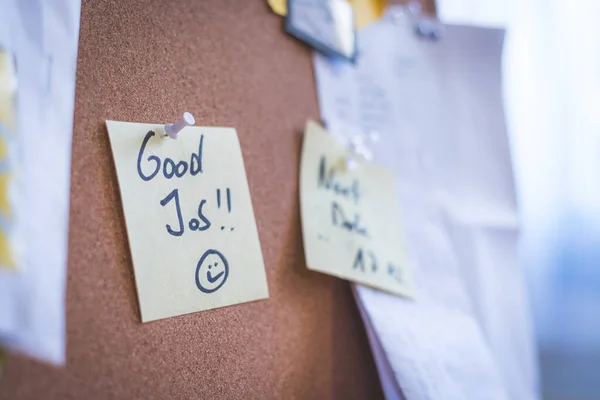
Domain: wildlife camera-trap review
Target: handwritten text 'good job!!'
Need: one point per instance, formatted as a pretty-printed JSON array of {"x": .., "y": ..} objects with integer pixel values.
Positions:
[{"x": 189, "y": 218}]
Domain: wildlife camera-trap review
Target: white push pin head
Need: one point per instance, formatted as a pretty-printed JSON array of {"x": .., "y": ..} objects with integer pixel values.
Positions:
[
  {"x": 356, "y": 149},
  {"x": 172, "y": 130},
  {"x": 351, "y": 162}
]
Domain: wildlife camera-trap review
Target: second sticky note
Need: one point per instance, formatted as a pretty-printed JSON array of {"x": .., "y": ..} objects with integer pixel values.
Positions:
[{"x": 350, "y": 221}]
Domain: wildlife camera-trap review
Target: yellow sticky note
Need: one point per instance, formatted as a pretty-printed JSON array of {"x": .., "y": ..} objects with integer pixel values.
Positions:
[
  {"x": 5, "y": 182},
  {"x": 6, "y": 251},
  {"x": 365, "y": 11},
  {"x": 189, "y": 218},
  {"x": 279, "y": 7},
  {"x": 350, "y": 222}
]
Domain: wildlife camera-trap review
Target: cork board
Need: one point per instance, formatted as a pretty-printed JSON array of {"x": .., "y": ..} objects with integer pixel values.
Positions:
[{"x": 229, "y": 63}]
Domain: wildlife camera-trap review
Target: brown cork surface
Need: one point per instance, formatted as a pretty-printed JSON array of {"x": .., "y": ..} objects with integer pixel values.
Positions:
[{"x": 228, "y": 63}]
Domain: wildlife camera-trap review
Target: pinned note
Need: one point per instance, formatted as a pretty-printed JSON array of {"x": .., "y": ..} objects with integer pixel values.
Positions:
[
  {"x": 350, "y": 223},
  {"x": 189, "y": 218}
]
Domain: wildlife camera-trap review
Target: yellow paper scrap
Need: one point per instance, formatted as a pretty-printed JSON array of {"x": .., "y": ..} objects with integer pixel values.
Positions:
[
  {"x": 365, "y": 11},
  {"x": 189, "y": 218},
  {"x": 6, "y": 251},
  {"x": 5, "y": 180},
  {"x": 279, "y": 7},
  {"x": 8, "y": 122},
  {"x": 350, "y": 223}
]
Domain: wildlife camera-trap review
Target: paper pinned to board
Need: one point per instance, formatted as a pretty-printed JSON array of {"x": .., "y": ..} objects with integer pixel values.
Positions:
[
  {"x": 365, "y": 11},
  {"x": 350, "y": 224},
  {"x": 442, "y": 132},
  {"x": 43, "y": 36},
  {"x": 189, "y": 218},
  {"x": 327, "y": 26}
]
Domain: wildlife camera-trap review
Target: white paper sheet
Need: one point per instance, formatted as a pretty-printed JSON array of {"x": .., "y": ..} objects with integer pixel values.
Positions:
[
  {"x": 43, "y": 35},
  {"x": 438, "y": 109},
  {"x": 490, "y": 13},
  {"x": 390, "y": 387}
]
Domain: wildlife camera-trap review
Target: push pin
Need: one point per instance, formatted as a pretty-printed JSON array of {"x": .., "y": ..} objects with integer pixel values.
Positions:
[
  {"x": 172, "y": 130},
  {"x": 423, "y": 25},
  {"x": 429, "y": 29},
  {"x": 359, "y": 149},
  {"x": 426, "y": 27}
]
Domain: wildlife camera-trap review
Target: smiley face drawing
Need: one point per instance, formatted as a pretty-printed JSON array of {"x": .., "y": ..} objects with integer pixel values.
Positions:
[{"x": 212, "y": 271}]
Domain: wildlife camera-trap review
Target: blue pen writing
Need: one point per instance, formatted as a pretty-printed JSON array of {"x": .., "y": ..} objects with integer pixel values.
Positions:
[{"x": 169, "y": 167}]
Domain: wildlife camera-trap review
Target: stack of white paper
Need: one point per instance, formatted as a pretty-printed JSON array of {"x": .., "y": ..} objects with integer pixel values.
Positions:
[{"x": 438, "y": 109}]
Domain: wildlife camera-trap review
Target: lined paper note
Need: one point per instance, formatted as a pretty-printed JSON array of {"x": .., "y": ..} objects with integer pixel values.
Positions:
[{"x": 189, "y": 217}]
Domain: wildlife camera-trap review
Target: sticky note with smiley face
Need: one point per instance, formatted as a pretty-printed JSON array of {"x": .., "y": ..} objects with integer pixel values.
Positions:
[{"x": 189, "y": 218}]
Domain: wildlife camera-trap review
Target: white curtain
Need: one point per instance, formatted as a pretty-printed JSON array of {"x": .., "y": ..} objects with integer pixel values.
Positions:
[{"x": 552, "y": 98}]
